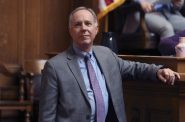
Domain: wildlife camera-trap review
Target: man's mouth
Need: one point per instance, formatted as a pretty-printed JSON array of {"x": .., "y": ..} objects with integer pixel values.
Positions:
[{"x": 85, "y": 36}]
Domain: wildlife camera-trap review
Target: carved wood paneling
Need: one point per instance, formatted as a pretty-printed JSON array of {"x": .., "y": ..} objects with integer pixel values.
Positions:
[
  {"x": 54, "y": 26},
  {"x": 31, "y": 28},
  {"x": 159, "y": 115},
  {"x": 152, "y": 102},
  {"x": 46, "y": 27},
  {"x": 10, "y": 28}
]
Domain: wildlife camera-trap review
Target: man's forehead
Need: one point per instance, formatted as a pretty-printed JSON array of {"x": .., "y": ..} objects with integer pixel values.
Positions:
[{"x": 83, "y": 13}]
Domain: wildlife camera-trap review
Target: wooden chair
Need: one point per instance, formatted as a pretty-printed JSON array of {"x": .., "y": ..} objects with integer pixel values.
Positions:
[
  {"x": 142, "y": 39},
  {"x": 35, "y": 67},
  {"x": 15, "y": 90}
]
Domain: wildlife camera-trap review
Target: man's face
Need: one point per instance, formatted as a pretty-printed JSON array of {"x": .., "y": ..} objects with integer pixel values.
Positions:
[{"x": 83, "y": 29}]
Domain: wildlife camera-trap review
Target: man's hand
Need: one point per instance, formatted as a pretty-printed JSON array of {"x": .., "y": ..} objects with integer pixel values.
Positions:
[
  {"x": 146, "y": 6},
  {"x": 167, "y": 75}
]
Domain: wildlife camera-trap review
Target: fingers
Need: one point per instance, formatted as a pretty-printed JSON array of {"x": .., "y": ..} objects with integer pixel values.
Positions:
[
  {"x": 161, "y": 77},
  {"x": 148, "y": 9},
  {"x": 168, "y": 76},
  {"x": 146, "y": 6},
  {"x": 171, "y": 80},
  {"x": 177, "y": 75}
]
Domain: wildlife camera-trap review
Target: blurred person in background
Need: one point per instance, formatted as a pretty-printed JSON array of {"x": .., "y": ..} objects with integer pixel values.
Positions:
[{"x": 162, "y": 17}]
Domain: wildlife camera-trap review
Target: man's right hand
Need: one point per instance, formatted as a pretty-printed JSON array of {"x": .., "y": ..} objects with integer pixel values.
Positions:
[{"x": 146, "y": 6}]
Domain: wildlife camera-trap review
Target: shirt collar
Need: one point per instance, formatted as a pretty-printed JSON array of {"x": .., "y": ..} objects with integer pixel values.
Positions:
[{"x": 81, "y": 53}]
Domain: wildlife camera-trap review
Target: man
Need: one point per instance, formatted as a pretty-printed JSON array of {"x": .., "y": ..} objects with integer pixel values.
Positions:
[{"x": 68, "y": 92}]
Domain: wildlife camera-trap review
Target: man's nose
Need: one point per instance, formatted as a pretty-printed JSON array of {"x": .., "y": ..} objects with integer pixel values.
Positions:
[{"x": 84, "y": 27}]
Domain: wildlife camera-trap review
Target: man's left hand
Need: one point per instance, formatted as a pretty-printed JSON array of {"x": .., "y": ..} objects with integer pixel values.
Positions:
[{"x": 167, "y": 75}]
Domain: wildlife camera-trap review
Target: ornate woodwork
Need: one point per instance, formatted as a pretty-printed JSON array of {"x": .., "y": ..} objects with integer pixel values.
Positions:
[{"x": 148, "y": 101}]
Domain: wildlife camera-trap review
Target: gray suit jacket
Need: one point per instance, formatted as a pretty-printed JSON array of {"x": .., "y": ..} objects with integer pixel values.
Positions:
[{"x": 63, "y": 93}]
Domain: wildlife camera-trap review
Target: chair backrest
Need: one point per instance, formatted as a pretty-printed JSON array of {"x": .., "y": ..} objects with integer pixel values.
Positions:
[
  {"x": 14, "y": 83},
  {"x": 109, "y": 40},
  {"x": 15, "y": 92},
  {"x": 35, "y": 67}
]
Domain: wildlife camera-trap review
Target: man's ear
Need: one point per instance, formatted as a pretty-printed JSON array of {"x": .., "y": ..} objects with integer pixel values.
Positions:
[{"x": 97, "y": 29}]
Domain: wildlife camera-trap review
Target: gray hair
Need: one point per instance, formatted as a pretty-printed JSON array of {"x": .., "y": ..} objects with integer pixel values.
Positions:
[{"x": 83, "y": 8}]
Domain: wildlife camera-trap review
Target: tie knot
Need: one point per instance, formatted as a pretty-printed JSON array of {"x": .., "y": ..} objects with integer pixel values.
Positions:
[{"x": 87, "y": 57}]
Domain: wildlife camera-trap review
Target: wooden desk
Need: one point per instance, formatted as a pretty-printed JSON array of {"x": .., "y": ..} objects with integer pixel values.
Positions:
[{"x": 148, "y": 101}]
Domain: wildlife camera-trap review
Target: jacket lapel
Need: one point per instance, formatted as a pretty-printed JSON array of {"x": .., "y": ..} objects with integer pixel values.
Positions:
[
  {"x": 74, "y": 67},
  {"x": 112, "y": 90},
  {"x": 103, "y": 66}
]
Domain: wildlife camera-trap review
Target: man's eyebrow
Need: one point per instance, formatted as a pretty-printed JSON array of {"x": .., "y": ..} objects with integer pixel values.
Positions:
[{"x": 88, "y": 21}]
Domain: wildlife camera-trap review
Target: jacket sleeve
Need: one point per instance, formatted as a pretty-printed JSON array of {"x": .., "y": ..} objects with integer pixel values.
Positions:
[
  {"x": 131, "y": 70},
  {"x": 47, "y": 110}
]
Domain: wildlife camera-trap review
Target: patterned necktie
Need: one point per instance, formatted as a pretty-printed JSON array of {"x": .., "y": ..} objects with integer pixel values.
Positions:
[{"x": 100, "y": 106}]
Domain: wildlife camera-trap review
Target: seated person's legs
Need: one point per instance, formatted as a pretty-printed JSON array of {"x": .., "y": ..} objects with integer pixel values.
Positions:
[
  {"x": 157, "y": 23},
  {"x": 177, "y": 21}
]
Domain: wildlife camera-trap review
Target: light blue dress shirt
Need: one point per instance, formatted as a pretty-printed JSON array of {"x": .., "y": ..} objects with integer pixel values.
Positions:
[{"x": 99, "y": 76}]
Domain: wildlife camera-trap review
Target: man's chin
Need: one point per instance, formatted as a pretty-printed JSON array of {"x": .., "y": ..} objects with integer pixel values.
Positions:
[
  {"x": 85, "y": 46},
  {"x": 86, "y": 43}
]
